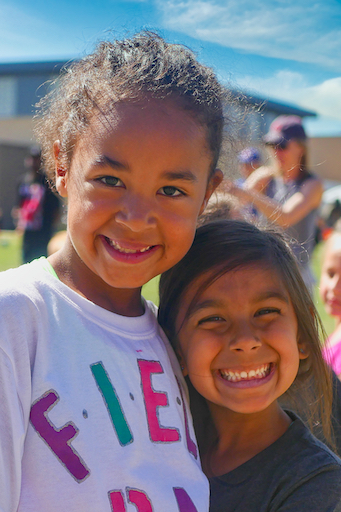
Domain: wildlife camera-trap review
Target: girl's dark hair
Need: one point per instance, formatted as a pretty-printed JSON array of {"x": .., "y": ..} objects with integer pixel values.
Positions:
[
  {"x": 141, "y": 68},
  {"x": 226, "y": 245}
]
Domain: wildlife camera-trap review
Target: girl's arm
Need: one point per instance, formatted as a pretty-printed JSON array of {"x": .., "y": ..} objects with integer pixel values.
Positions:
[
  {"x": 12, "y": 435},
  {"x": 288, "y": 214},
  {"x": 16, "y": 327}
]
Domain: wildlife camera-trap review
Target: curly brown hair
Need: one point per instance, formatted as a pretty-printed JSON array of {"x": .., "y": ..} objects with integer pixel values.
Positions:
[{"x": 137, "y": 69}]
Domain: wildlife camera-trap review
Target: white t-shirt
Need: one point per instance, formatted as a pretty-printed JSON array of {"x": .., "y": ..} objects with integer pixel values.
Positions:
[{"x": 94, "y": 413}]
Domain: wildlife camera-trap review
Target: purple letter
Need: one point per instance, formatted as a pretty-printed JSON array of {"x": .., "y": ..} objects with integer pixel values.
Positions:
[
  {"x": 59, "y": 440},
  {"x": 185, "y": 503}
]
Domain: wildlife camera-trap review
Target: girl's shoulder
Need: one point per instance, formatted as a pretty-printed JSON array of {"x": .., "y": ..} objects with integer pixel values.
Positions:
[
  {"x": 22, "y": 300},
  {"x": 22, "y": 281},
  {"x": 295, "y": 472}
]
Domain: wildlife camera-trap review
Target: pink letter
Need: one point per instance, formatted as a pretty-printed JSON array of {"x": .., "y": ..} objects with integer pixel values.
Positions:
[
  {"x": 153, "y": 400},
  {"x": 140, "y": 499},
  {"x": 117, "y": 501}
]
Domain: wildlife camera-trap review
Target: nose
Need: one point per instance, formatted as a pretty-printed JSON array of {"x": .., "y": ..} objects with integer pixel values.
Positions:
[
  {"x": 244, "y": 339},
  {"x": 136, "y": 214}
]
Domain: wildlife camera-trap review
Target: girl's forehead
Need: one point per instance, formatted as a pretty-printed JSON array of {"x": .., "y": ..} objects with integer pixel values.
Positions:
[
  {"x": 334, "y": 243},
  {"x": 245, "y": 276},
  {"x": 168, "y": 109},
  {"x": 144, "y": 121}
]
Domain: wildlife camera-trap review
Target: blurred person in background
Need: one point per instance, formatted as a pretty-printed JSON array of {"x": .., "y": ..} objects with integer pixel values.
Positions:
[
  {"x": 249, "y": 160},
  {"x": 37, "y": 210},
  {"x": 330, "y": 291},
  {"x": 296, "y": 192}
]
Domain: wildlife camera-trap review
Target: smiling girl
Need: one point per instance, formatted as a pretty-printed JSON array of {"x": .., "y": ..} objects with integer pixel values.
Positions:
[
  {"x": 93, "y": 413},
  {"x": 245, "y": 330}
]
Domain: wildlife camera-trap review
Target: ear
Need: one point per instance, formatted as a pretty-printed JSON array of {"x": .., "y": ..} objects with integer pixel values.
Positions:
[
  {"x": 214, "y": 182},
  {"x": 61, "y": 172},
  {"x": 303, "y": 350},
  {"x": 182, "y": 362}
]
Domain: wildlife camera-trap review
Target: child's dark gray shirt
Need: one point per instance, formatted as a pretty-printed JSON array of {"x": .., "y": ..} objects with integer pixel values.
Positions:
[{"x": 297, "y": 473}]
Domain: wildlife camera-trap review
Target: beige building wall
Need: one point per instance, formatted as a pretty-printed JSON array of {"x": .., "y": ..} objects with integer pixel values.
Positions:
[
  {"x": 325, "y": 157},
  {"x": 17, "y": 130}
]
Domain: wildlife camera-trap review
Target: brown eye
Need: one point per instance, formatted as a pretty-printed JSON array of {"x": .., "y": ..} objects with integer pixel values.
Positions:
[
  {"x": 211, "y": 319},
  {"x": 171, "y": 191},
  {"x": 267, "y": 311},
  {"x": 111, "y": 181}
]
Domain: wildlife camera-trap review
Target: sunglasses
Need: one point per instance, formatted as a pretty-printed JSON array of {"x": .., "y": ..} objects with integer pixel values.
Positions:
[{"x": 282, "y": 145}]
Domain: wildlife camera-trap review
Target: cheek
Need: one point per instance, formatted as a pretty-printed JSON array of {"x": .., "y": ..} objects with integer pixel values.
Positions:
[
  {"x": 179, "y": 234},
  {"x": 291, "y": 361},
  {"x": 201, "y": 353},
  {"x": 294, "y": 371},
  {"x": 324, "y": 287}
]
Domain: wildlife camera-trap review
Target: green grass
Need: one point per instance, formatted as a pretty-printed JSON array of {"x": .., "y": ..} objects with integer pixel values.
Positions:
[
  {"x": 10, "y": 250},
  {"x": 10, "y": 257},
  {"x": 151, "y": 290}
]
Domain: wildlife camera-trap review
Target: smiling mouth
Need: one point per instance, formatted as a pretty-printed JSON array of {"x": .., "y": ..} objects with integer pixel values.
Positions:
[
  {"x": 125, "y": 250},
  {"x": 334, "y": 302},
  {"x": 259, "y": 373}
]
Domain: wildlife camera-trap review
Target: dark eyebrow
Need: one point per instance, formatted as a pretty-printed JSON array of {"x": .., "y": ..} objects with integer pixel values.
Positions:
[
  {"x": 103, "y": 160},
  {"x": 272, "y": 294},
  {"x": 211, "y": 303},
  {"x": 180, "y": 175},
  {"x": 184, "y": 175}
]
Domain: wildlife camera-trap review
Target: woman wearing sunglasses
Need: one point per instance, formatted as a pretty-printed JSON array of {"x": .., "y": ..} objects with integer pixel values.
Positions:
[{"x": 296, "y": 194}]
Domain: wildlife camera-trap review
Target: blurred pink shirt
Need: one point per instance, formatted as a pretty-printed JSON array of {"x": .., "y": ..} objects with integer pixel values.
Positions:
[{"x": 332, "y": 356}]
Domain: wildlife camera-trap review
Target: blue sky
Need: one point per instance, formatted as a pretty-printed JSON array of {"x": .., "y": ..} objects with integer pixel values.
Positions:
[{"x": 285, "y": 50}]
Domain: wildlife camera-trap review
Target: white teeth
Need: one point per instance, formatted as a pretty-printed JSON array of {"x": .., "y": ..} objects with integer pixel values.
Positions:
[
  {"x": 117, "y": 246},
  {"x": 259, "y": 373}
]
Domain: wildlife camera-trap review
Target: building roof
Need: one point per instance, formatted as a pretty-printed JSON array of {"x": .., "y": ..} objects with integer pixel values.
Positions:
[
  {"x": 30, "y": 68},
  {"x": 36, "y": 71},
  {"x": 263, "y": 104}
]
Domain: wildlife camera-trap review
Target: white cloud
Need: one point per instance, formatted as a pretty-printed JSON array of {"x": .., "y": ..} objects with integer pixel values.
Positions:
[
  {"x": 326, "y": 97},
  {"x": 291, "y": 87},
  {"x": 299, "y": 30}
]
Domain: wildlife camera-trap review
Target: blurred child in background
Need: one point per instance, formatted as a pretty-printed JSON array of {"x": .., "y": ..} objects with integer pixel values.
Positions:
[{"x": 330, "y": 290}]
